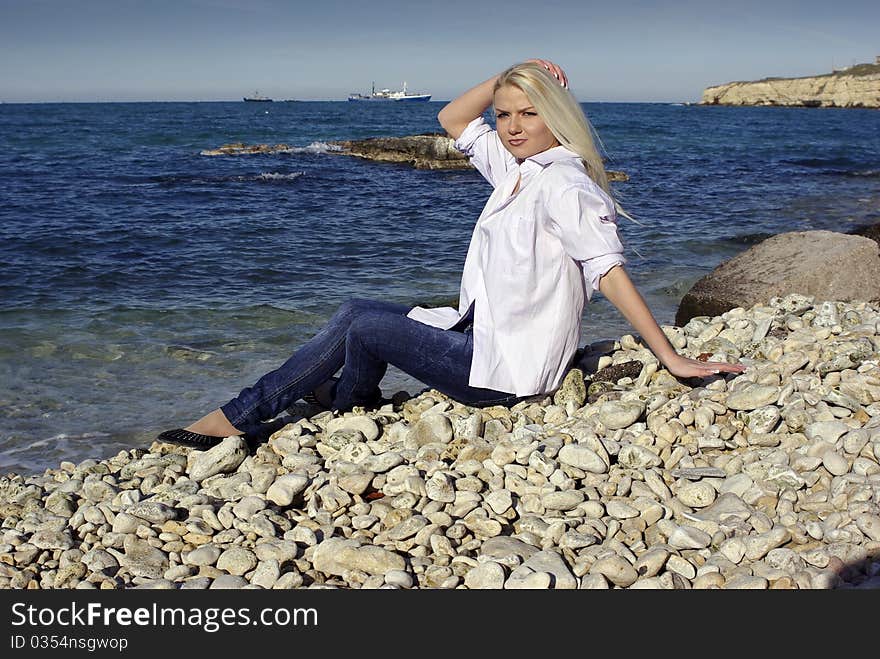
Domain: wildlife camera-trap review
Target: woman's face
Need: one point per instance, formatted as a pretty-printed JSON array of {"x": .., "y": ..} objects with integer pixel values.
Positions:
[{"x": 521, "y": 130}]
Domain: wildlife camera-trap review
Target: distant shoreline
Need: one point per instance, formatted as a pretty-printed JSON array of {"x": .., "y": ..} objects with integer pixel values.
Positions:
[
  {"x": 311, "y": 100},
  {"x": 856, "y": 87}
]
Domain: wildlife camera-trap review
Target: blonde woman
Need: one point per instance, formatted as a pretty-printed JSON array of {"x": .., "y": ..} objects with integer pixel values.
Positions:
[{"x": 545, "y": 241}]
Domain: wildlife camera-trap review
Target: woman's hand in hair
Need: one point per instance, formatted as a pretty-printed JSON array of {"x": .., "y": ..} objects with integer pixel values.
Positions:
[{"x": 555, "y": 69}]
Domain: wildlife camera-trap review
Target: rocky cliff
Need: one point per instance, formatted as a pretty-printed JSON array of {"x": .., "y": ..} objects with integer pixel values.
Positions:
[{"x": 855, "y": 87}]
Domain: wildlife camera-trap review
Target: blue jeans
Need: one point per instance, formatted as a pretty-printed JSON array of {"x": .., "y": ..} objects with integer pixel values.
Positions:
[{"x": 362, "y": 338}]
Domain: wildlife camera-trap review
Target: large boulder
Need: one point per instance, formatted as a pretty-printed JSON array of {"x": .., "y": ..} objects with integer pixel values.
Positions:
[{"x": 823, "y": 264}]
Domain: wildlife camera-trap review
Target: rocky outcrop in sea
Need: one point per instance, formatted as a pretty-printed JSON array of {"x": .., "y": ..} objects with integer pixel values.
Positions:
[
  {"x": 855, "y": 87},
  {"x": 426, "y": 151},
  {"x": 626, "y": 477}
]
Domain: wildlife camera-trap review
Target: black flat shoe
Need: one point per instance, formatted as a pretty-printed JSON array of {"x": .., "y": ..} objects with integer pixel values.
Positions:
[
  {"x": 312, "y": 397},
  {"x": 183, "y": 437}
]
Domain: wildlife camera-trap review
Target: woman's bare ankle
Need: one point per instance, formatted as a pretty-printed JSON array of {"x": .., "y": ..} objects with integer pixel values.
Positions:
[{"x": 214, "y": 424}]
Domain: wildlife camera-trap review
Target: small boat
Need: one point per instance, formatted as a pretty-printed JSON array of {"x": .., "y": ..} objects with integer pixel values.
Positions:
[
  {"x": 256, "y": 98},
  {"x": 388, "y": 95}
]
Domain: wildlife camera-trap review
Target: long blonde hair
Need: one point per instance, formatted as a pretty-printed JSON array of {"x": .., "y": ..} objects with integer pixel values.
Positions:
[{"x": 565, "y": 118}]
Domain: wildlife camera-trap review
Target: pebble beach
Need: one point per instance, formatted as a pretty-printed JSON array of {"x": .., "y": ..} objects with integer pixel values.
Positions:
[{"x": 625, "y": 478}]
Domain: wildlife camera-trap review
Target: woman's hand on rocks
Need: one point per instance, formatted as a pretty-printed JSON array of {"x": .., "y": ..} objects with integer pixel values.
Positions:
[
  {"x": 555, "y": 69},
  {"x": 685, "y": 367}
]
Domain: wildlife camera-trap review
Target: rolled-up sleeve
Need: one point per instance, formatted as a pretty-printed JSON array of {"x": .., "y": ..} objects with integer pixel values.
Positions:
[
  {"x": 585, "y": 222},
  {"x": 481, "y": 144}
]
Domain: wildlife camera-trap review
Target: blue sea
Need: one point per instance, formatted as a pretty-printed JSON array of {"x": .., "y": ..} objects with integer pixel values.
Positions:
[{"x": 142, "y": 284}]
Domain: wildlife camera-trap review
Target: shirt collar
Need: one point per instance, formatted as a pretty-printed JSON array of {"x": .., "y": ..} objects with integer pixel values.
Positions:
[{"x": 550, "y": 156}]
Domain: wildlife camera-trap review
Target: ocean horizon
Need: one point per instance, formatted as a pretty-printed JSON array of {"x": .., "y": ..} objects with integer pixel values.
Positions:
[{"x": 432, "y": 101}]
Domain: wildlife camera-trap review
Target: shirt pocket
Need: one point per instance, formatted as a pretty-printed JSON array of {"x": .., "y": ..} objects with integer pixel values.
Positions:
[{"x": 521, "y": 234}]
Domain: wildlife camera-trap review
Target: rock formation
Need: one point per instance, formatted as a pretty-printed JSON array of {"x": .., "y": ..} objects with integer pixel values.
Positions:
[
  {"x": 855, "y": 87},
  {"x": 825, "y": 264},
  {"x": 242, "y": 149},
  {"x": 425, "y": 151}
]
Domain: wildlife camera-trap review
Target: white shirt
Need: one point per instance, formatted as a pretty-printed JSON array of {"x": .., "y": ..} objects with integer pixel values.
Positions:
[{"x": 534, "y": 260}]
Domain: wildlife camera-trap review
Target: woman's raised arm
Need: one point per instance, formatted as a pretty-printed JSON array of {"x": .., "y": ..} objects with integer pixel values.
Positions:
[{"x": 463, "y": 109}]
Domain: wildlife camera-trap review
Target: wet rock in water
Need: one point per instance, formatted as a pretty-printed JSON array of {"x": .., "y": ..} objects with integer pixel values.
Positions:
[
  {"x": 241, "y": 149},
  {"x": 424, "y": 151}
]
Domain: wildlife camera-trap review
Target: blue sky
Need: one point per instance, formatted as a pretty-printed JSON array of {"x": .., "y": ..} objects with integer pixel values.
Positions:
[{"x": 617, "y": 50}]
